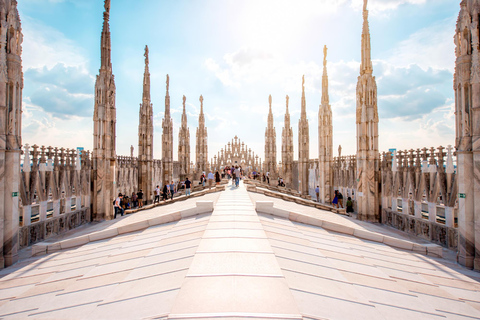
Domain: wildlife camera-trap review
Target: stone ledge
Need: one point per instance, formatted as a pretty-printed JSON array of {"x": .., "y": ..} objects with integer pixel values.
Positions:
[
  {"x": 272, "y": 192},
  {"x": 41, "y": 248},
  {"x": 181, "y": 197},
  {"x": 267, "y": 207}
]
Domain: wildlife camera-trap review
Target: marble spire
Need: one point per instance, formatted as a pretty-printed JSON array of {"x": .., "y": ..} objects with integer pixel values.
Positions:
[
  {"x": 202, "y": 144},
  {"x": 325, "y": 139},
  {"x": 145, "y": 136},
  {"x": 287, "y": 149},
  {"x": 11, "y": 79},
  {"x": 167, "y": 140},
  {"x": 368, "y": 159},
  {"x": 466, "y": 84},
  {"x": 105, "y": 119},
  {"x": 270, "y": 145},
  {"x": 184, "y": 145},
  {"x": 366, "y": 65},
  {"x": 303, "y": 145}
]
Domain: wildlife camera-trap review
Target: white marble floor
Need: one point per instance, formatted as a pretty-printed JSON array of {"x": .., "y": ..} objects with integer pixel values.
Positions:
[{"x": 237, "y": 264}]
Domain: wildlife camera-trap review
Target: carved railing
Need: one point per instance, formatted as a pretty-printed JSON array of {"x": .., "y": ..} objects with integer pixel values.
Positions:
[
  {"x": 54, "y": 192},
  {"x": 418, "y": 191}
]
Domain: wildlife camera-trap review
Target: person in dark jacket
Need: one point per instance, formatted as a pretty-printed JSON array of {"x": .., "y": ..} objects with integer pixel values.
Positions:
[{"x": 165, "y": 192}]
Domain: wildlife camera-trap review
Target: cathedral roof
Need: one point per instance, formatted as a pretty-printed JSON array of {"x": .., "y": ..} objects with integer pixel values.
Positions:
[{"x": 233, "y": 263}]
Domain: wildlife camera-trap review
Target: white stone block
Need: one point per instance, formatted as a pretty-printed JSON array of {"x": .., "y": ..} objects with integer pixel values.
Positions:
[
  {"x": 140, "y": 225},
  {"x": 39, "y": 249},
  {"x": 337, "y": 227},
  {"x": 189, "y": 212},
  {"x": 165, "y": 219},
  {"x": 204, "y": 206},
  {"x": 104, "y": 234},
  {"x": 264, "y": 207},
  {"x": 280, "y": 213},
  {"x": 74, "y": 242},
  {"x": 398, "y": 243},
  {"x": 368, "y": 235},
  {"x": 434, "y": 250},
  {"x": 52, "y": 247},
  {"x": 418, "y": 248}
]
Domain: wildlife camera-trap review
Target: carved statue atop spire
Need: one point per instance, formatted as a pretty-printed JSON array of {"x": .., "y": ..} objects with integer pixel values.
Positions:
[
  {"x": 365, "y": 5},
  {"x": 146, "y": 56},
  {"x": 107, "y": 6},
  {"x": 201, "y": 103},
  {"x": 168, "y": 83},
  {"x": 288, "y": 99},
  {"x": 184, "y": 99},
  {"x": 303, "y": 83},
  {"x": 325, "y": 56},
  {"x": 270, "y": 101}
]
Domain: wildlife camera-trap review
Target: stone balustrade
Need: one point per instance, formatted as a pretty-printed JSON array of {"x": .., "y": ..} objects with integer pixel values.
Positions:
[{"x": 417, "y": 184}]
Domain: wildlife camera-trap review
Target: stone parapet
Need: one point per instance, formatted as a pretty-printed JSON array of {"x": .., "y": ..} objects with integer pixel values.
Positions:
[
  {"x": 45, "y": 229},
  {"x": 432, "y": 231}
]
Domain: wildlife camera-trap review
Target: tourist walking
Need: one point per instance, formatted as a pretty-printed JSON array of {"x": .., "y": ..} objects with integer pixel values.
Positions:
[
  {"x": 335, "y": 199},
  {"x": 157, "y": 195},
  {"x": 117, "y": 206},
  {"x": 134, "y": 200},
  {"x": 317, "y": 192},
  {"x": 172, "y": 190},
  {"x": 188, "y": 184},
  {"x": 237, "y": 177},
  {"x": 165, "y": 192},
  {"x": 210, "y": 179},
  {"x": 268, "y": 178},
  {"x": 349, "y": 206},
  {"x": 217, "y": 178},
  {"x": 140, "y": 198},
  {"x": 202, "y": 179},
  {"x": 340, "y": 199}
]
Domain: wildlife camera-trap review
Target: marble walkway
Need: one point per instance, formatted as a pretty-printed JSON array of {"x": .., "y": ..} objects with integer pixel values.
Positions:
[{"x": 237, "y": 264}]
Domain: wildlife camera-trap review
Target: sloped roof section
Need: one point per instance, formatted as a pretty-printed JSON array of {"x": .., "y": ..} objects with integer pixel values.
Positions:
[{"x": 237, "y": 264}]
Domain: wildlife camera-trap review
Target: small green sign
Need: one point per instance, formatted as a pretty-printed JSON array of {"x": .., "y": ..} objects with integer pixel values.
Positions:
[
  {"x": 14, "y": 194},
  {"x": 462, "y": 195}
]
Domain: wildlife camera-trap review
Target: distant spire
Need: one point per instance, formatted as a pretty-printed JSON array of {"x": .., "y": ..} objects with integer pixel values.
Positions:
[
  {"x": 304, "y": 103},
  {"x": 325, "y": 98},
  {"x": 167, "y": 100},
  {"x": 366, "y": 66},
  {"x": 184, "y": 114},
  {"x": 105, "y": 39},
  {"x": 270, "y": 114},
  {"x": 146, "y": 78}
]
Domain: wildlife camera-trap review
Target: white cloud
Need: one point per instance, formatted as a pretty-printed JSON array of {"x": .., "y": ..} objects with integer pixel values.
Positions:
[
  {"x": 46, "y": 46},
  {"x": 430, "y": 47}
]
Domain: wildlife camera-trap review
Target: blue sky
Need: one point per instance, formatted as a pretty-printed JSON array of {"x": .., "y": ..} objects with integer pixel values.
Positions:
[{"x": 237, "y": 53}]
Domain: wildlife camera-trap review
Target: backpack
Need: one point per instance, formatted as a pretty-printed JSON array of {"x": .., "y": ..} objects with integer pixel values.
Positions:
[{"x": 115, "y": 200}]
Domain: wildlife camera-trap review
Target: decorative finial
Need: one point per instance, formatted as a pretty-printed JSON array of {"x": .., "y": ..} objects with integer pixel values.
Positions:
[
  {"x": 184, "y": 99},
  {"x": 107, "y": 6},
  {"x": 270, "y": 101},
  {"x": 288, "y": 98},
  {"x": 201, "y": 101},
  {"x": 146, "y": 55},
  {"x": 168, "y": 82},
  {"x": 325, "y": 56},
  {"x": 365, "y": 5}
]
